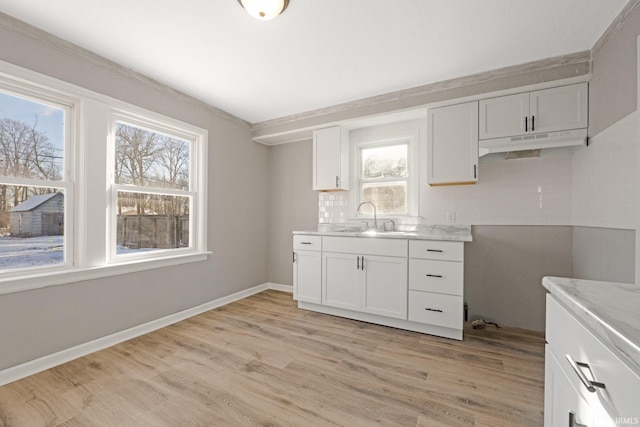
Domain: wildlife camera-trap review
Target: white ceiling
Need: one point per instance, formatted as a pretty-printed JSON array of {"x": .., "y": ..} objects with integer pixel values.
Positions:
[{"x": 318, "y": 53}]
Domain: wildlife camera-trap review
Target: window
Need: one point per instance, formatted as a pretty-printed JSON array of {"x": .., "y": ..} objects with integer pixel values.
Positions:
[
  {"x": 152, "y": 190},
  {"x": 384, "y": 177},
  {"x": 91, "y": 186},
  {"x": 35, "y": 187},
  {"x": 384, "y": 170}
]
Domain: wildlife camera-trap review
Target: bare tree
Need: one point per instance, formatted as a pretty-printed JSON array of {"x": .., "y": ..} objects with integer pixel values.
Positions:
[
  {"x": 25, "y": 152},
  {"x": 149, "y": 159}
]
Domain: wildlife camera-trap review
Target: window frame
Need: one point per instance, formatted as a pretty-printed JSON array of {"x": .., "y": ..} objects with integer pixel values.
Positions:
[
  {"x": 380, "y": 137},
  {"x": 13, "y": 86},
  {"x": 87, "y": 197},
  {"x": 172, "y": 129}
]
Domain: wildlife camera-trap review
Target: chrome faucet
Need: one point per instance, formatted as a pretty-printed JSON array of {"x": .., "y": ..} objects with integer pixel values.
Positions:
[{"x": 375, "y": 214}]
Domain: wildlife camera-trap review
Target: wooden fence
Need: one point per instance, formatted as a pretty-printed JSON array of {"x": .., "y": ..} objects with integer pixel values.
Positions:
[{"x": 153, "y": 231}]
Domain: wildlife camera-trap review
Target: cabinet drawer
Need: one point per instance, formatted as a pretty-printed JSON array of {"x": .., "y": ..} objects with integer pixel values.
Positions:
[
  {"x": 435, "y": 309},
  {"x": 307, "y": 242},
  {"x": 444, "y": 277},
  {"x": 366, "y": 246},
  {"x": 438, "y": 250},
  {"x": 567, "y": 336}
]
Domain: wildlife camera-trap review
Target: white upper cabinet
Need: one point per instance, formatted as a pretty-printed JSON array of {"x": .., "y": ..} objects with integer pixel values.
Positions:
[
  {"x": 331, "y": 159},
  {"x": 452, "y": 144},
  {"x": 547, "y": 110},
  {"x": 559, "y": 108},
  {"x": 504, "y": 116}
]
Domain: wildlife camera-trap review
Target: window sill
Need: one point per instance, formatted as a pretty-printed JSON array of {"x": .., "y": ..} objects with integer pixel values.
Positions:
[{"x": 65, "y": 276}]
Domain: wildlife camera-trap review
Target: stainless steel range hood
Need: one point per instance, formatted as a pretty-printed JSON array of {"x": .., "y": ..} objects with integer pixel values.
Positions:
[{"x": 565, "y": 138}]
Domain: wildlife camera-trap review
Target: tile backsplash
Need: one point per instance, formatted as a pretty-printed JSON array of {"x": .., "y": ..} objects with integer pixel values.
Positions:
[{"x": 588, "y": 186}]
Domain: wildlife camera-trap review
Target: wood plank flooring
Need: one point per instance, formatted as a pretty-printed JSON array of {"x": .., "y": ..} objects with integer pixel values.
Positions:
[{"x": 262, "y": 361}]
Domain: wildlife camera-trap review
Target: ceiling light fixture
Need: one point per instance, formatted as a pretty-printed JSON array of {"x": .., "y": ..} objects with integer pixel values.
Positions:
[{"x": 264, "y": 9}]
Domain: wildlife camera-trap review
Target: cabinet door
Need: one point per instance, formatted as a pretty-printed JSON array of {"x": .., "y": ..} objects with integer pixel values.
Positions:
[
  {"x": 330, "y": 159},
  {"x": 307, "y": 273},
  {"x": 559, "y": 108},
  {"x": 504, "y": 116},
  {"x": 452, "y": 144},
  {"x": 341, "y": 281},
  {"x": 385, "y": 286},
  {"x": 561, "y": 399}
]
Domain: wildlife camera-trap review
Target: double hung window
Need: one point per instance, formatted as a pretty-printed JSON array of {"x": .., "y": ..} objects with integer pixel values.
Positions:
[
  {"x": 384, "y": 176},
  {"x": 153, "y": 192},
  {"x": 36, "y": 190},
  {"x": 91, "y": 186}
]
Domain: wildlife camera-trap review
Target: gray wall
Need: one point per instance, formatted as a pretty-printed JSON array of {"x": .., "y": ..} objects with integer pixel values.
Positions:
[
  {"x": 293, "y": 205},
  {"x": 504, "y": 267},
  {"x": 613, "y": 85},
  {"x": 40, "y": 322},
  {"x": 606, "y": 254}
]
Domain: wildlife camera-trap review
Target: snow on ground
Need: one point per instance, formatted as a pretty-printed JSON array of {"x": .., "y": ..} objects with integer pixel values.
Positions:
[{"x": 17, "y": 252}]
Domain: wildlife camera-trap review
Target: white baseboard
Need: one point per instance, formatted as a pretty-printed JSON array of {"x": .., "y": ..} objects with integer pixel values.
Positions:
[
  {"x": 279, "y": 287},
  {"x": 46, "y": 362}
]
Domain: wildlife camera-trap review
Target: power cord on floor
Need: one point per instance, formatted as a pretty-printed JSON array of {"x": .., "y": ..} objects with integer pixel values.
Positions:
[{"x": 481, "y": 324}]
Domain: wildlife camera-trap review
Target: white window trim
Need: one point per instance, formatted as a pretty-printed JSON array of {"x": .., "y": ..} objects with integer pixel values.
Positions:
[
  {"x": 380, "y": 136},
  {"x": 86, "y": 183},
  {"x": 171, "y": 128}
]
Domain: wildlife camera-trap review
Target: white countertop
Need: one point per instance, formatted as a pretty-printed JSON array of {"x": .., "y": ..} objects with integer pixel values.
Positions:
[
  {"x": 610, "y": 310},
  {"x": 456, "y": 233}
]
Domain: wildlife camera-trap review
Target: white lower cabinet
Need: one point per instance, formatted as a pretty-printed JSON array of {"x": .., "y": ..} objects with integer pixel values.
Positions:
[
  {"x": 340, "y": 281},
  {"x": 362, "y": 281},
  {"x": 414, "y": 285},
  {"x": 585, "y": 382},
  {"x": 307, "y": 269},
  {"x": 563, "y": 404}
]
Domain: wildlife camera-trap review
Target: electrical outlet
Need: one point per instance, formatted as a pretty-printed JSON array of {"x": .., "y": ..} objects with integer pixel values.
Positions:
[{"x": 451, "y": 217}]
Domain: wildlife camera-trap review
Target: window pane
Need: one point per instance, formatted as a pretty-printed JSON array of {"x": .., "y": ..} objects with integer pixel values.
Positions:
[
  {"x": 389, "y": 197},
  {"x": 148, "y": 222},
  {"x": 31, "y": 139},
  {"x": 151, "y": 159},
  {"x": 384, "y": 162},
  {"x": 31, "y": 227}
]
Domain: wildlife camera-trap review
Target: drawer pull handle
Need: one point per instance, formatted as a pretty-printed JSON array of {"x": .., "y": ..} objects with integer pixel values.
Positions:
[
  {"x": 435, "y": 275},
  {"x": 573, "y": 422},
  {"x": 305, "y": 243},
  {"x": 435, "y": 250},
  {"x": 437, "y": 310},
  {"x": 577, "y": 368},
  {"x": 358, "y": 265}
]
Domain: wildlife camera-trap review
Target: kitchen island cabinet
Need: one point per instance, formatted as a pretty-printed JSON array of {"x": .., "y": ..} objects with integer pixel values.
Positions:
[{"x": 592, "y": 356}]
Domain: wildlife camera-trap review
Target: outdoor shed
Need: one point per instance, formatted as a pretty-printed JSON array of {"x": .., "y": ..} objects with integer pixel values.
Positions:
[{"x": 41, "y": 215}]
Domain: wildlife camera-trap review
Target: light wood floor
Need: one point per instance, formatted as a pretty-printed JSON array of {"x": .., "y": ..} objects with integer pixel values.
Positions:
[{"x": 262, "y": 361}]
